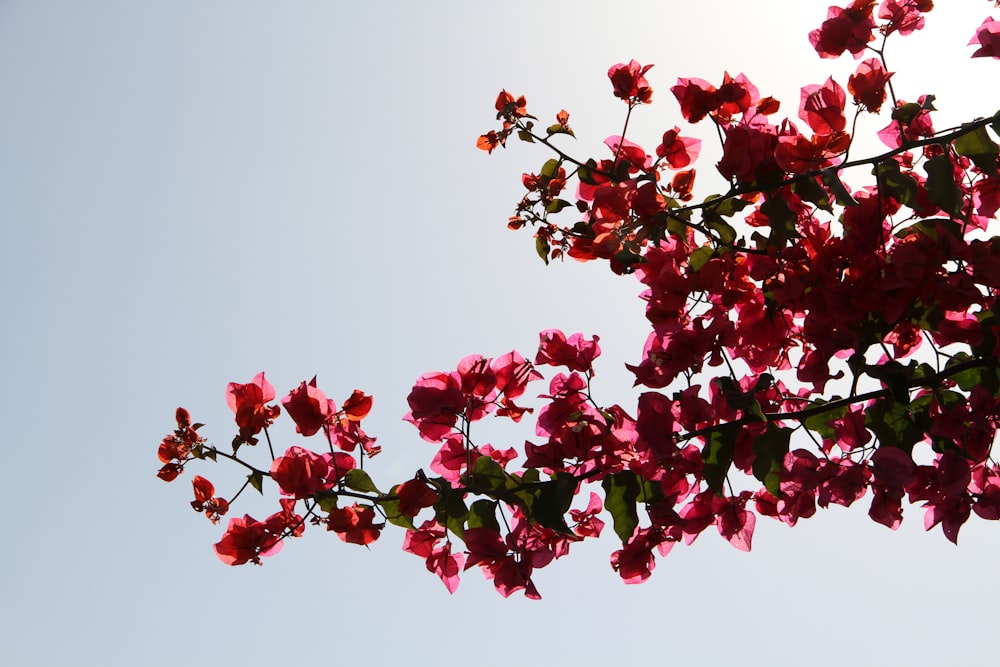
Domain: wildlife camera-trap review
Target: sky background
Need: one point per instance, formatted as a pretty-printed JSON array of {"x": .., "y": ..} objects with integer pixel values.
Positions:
[{"x": 195, "y": 191}]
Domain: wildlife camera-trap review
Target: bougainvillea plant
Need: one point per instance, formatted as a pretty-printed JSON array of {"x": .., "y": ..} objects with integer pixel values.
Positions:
[{"x": 810, "y": 343}]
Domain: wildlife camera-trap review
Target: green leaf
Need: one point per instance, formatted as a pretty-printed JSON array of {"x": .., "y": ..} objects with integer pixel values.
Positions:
[
  {"x": 831, "y": 179},
  {"x": 811, "y": 191},
  {"x": 327, "y": 500},
  {"x": 542, "y": 248},
  {"x": 906, "y": 113},
  {"x": 980, "y": 148},
  {"x": 895, "y": 376},
  {"x": 256, "y": 479},
  {"x": 392, "y": 513},
  {"x": 902, "y": 187},
  {"x": 524, "y": 135},
  {"x": 586, "y": 172},
  {"x": 550, "y": 168},
  {"x": 521, "y": 490},
  {"x": 556, "y": 205},
  {"x": 483, "y": 514},
  {"x": 559, "y": 129},
  {"x": 727, "y": 206},
  {"x": 553, "y": 501},
  {"x": 720, "y": 445},
  {"x": 487, "y": 475},
  {"x": 967, "y": 380},
  {"x": 358, "y": 480},
  {"x": 452, "y": 512},
  {"x": 941, "y": 187},
  {"x": 781, "y": 219},
  {"x": 769, "y": 451},
  {"x": 820, "y": 423},
  {"x": 620, "y": 493},
  {"x": 893, "y": 424},
  {"x": 700, "y": 256},
  {"x": 727, "y": 234}
]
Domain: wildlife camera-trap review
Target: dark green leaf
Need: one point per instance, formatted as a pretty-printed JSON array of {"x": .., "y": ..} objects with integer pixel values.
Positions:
[
  {"x": 769, "y": 453},
  {"x": 893, "y": 424},
  {"x": 781, "y": 219},
  {"x": 586, "y": 172},
  {"x": 620, "y": 493},
  {"x": 452, "y": 512},
  {"x": 483, "y": 514},
  {"x": 553, "y": 501},
  {"x": 941, "y": 187},
  {"x": 831, "y": 179},
  {"x": 257, "y": 481},
  {"x": 524, "y": 135},
  {"x": 726, "y": 206},
  {"x": 811, "y": 191},
  {"x": 720, "y": 446},
  {"x": 902, "y": 187},
  {"x": 895, "y": 376},
  {"x": 980, "y": 148},
  {"x": 556, "y": 205},
  {"x": 542, "y": 248},
  {"x": 820, "y": 423},
  {"x": 487, "y": 475},
  {"x": 726, "y": 232}
]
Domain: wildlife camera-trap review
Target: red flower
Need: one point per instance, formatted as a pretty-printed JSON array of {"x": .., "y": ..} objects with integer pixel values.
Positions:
[
  {"x": 847, "y": 29},
  {"x": 507, "y": 106},
  {"x": 629, "y": 82},
  {"x": 697, "y": 98},
  {"x": 175, "y": 450},
  {"x": 414, "y": 495},
  {"x": 309, "y": 408},
  {"x": 203, "y": 490},
  {"x": 988, "y": 38},
  {"x": 357, "y": 406},
  {"x": 247, "y": 540},
  {"x": 354, "y": 524},
  {"x": 868, "y": 83},
  {"x": 301, "y": 473},
  {"x": 487, "y": 142},
  {"x": 248, "y": 402}
]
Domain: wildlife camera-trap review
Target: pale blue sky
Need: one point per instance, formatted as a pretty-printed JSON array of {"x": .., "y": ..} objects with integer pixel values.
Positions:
[{"x": 194, "y": 191}]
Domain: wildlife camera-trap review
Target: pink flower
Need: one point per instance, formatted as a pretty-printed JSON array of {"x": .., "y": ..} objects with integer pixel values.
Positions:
[
  {"x": 822, "y": 107},
  {"x": 575, "y": 353},
  {"x": 436, "y": 401},
  {"x": 845, "y": 29},
  {"x": 988, "y": 38},
  {"x": 868, "y": 83}
]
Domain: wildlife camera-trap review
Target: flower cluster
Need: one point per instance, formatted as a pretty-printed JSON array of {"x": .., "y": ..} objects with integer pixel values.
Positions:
[{"x": 809, "y": 343}]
